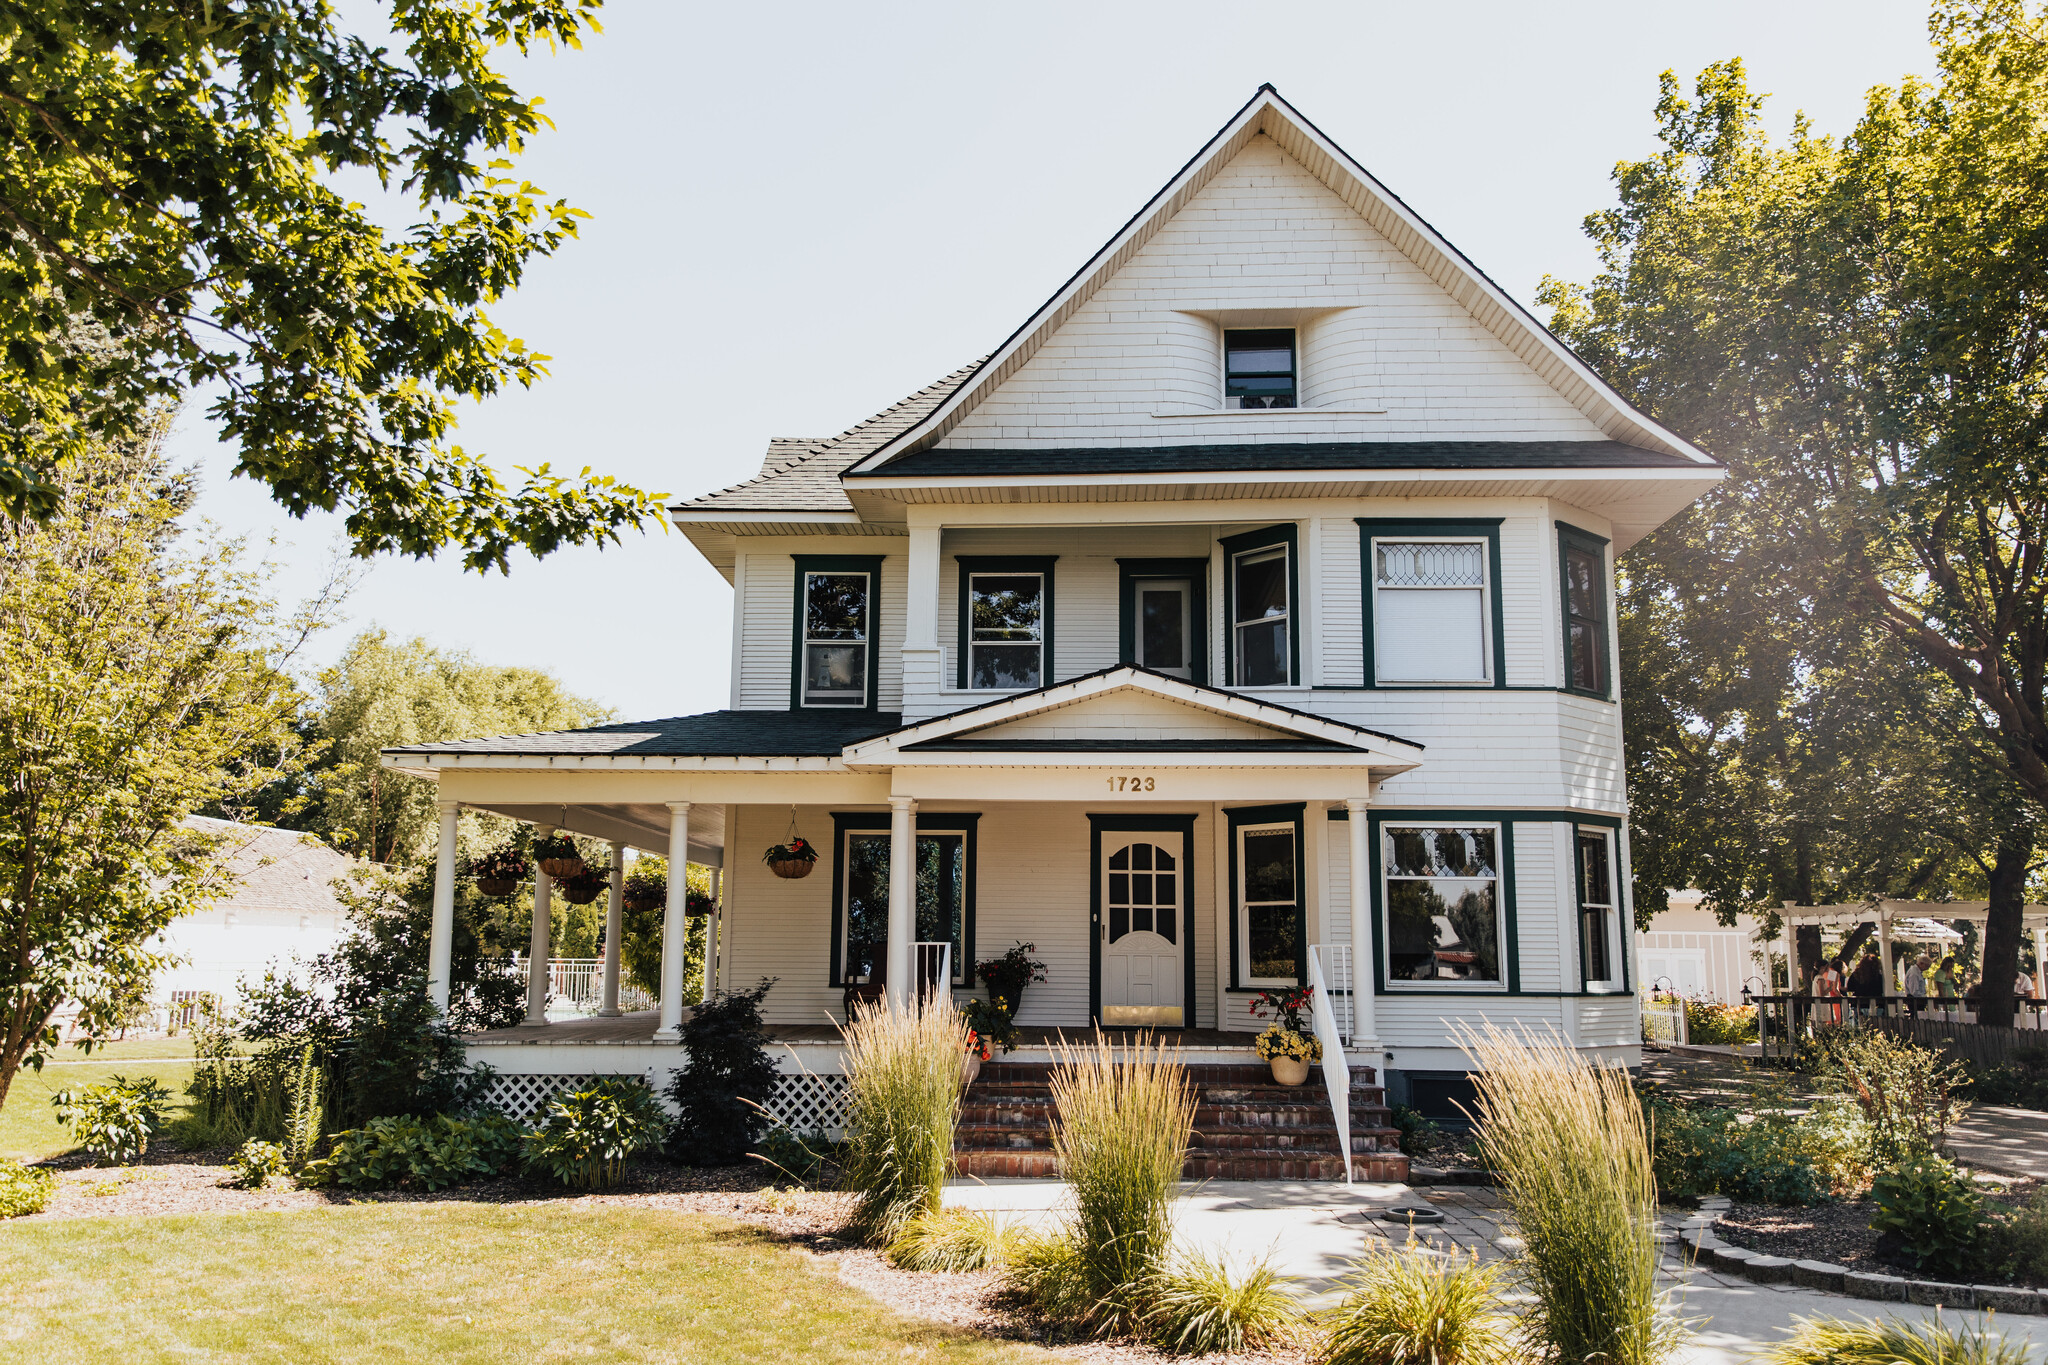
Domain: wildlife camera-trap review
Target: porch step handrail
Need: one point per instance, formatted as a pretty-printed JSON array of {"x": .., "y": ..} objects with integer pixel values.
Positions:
[
  {"x": 939, "y": 956},
  {"x": 1336, "y": 1067}
]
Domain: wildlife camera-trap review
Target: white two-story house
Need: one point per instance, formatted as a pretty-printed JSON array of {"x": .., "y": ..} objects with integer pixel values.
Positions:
[{"x": 1245, "y": 614}]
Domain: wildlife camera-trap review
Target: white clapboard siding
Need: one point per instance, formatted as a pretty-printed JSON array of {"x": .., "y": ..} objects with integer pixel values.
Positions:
[
  {"x": 1544, "y": 921},
  {"x": 1127, "y": 715},
  {"x": 767, "y": 593},
  {"x": 1266, "y": 234}
]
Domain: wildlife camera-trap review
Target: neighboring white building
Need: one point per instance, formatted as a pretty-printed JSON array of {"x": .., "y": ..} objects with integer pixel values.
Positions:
[
  {"x": 1688, "y": 950},
  {"x": 282, "y": 908},
  {"x": 1250, "y": 602}
]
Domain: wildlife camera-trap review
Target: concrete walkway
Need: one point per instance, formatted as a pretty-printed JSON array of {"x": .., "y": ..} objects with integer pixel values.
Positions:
[
  {"x": 2010, "y": 1141},
  {"x": 1313, "y": 1232}
]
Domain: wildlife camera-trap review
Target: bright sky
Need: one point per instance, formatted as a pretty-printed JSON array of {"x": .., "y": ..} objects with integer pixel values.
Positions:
[{"x": 803, "y": 212}]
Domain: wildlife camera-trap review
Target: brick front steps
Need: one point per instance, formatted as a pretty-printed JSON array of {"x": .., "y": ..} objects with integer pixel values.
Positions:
[{"x": 1246, "y": 1127}]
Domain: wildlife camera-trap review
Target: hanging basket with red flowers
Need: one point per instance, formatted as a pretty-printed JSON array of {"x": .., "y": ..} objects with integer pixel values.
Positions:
[
  {"x": 584, "y": 886},
  {"x": 499, "y": 872},
  {"x": 794, "y": 857},
  {"x": 557, "y": 856}
]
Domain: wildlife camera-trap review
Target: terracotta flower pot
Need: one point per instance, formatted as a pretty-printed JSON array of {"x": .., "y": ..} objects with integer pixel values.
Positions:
[
  {"x": 495, "y": 887},
  {"x": 1289, "y": 1070},
  {"x": 970, "y": 1066},
  {"x": 792, "y": 869}
]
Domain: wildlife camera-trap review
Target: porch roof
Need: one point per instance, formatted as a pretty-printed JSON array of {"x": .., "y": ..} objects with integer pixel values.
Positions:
[{"x": 716, "y": 734}]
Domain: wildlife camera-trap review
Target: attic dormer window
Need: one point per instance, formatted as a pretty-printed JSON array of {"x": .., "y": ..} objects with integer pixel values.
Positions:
[{"x": 1258, "y": 368}]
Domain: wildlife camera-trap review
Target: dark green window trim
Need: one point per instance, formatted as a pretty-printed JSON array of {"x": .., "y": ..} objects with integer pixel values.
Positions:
[
  {"x": 1284, "y": 534},
  {"x": 1624, "y": 920},
  {"x": 974, "y": 564},
  {"x": 1183, "y": 825},
  {"x": 1571, "y": 537},
  {"x": 1280, "y": 814},
  {"x": 1486, "y": 528},
  {"x": 939, "y": 822},
  {"x": 1196, "y": 571},
  {"x": 871, "y": 565}
]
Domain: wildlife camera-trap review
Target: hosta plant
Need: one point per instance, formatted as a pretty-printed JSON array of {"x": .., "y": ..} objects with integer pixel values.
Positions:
[
  {"x": 586, "y": 1137},
  {"x": 427, "y": 1154},
  {"x": 1933, "y": 1210}
]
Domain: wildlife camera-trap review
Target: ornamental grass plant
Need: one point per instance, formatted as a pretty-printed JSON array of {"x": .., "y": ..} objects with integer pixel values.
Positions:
[
  {"x": 1416, "y": 1306},
  {"x": 1572, "y": 1150},
  {"x": 1890, "y": 1341},
  {"x": 954, "y": 1240},
  {"x": 1199, "y": 1305},
  {"x": 903, "y": 1103}
]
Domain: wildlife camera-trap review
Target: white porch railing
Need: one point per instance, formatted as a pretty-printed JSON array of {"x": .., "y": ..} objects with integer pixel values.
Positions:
[
  {"x": 577, "y": 983},
  {"x": 1336, "y": 958},
  {"x": 1336, "y": 1067},
  {"x": 934, "y": 966}
]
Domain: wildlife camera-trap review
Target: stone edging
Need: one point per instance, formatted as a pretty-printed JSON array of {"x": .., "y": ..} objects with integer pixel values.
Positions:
[{"x": 1716, "y": 1254}]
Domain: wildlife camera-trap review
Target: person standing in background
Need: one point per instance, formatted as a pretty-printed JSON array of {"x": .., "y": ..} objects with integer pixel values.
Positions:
[
  {"x": 1916, "y": 984},
  {"x": 1866, "y": 983}
]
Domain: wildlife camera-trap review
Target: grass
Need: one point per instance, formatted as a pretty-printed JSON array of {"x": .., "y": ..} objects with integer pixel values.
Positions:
[
  {"x": 447, "y": 1282},
  {"x": 29, "y": 1130},
  {"x": 903, "y": 1101},
  {"x": 1569, "y": 1143},
  {"x": 1415, "y": 1307},
  {"x": 1889, "y": 1341}
]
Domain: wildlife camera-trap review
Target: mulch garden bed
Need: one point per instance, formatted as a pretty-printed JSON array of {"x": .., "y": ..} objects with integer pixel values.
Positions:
[
  {"x": 1839, "y": 1233},
  {"x": 169, "y": 1181}
]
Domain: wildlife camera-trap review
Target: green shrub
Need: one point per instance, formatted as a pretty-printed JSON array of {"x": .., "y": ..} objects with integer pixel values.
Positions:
[
  {"x": 1568, "y": 1142},
  {"x": 24, "y": 1189},
  {"x": 116, "y": 1120},
  {"x": 2020, "y": 1240},
  {"x": 1714, "y": 1024},
  {"x": 1419, "y": 1137},
  {"x": 1198, "y": 1306},
  {"x": 1889, "y": 1341},
  {"x": 1907, "y": 1093},
  {"x": 588, "y": 1136},
  {"x": 1123, "y": 1119},
  {"x": 1771, "y": 1156},
  {"x": 1933, "y": 1210},
  {"x": 1414, "y": 1307},
  {"x": 727, "y": 1076},
  {"x": 427, "y": 1154},
  {"x": 903, "y": 1103},
  {"x": 258, "y": 1160},
  {"x": 953, "y": 1239}
]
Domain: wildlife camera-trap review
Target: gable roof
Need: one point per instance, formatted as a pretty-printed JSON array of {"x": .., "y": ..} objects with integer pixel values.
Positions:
[
  {"x": 803, "y": 476},
  {"x": 276, "y": 869},
  {"x": 1268, "y": 114}
]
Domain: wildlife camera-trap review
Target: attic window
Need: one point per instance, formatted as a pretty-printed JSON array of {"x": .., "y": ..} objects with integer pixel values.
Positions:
[{"x": 1258, "y": 368}]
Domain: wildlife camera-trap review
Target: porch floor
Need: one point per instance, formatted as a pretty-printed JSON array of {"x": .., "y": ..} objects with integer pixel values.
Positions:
[{"x": 639, "y": 1027}]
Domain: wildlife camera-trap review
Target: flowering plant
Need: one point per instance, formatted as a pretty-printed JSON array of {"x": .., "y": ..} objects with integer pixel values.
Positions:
[
  {"x": 1286, "y": 1005},
  {"x": 992, "y": 1022},
  {"x": 977, "y": 1043},
  {"x": 504, "y": 863},
  {"x": 797, "y": 850},
  {"x": 1008, "y": 975},
  {"x": 1277, "y": 1041}
]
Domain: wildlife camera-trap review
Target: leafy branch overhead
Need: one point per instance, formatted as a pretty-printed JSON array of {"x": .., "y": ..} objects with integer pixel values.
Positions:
[{"x": 169, "y": 219}]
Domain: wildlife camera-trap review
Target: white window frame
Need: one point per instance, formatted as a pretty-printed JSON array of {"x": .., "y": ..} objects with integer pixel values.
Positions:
[
  {"x": 1038, "y": 643},
  {"x": 867, "y": 642},
  {"x": 1500, "y": 906},
  {"x": 1225, "y": 402},
  {"x": 1372, "y": 585},
  {"x": 1244, "y": 903},
  {"x": 1617, "y": 969},
  {"x": 1289, "y": 620}
]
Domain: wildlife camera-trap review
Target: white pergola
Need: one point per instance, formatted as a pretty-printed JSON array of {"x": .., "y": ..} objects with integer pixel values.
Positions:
[{"x": 1912, "y": 921}]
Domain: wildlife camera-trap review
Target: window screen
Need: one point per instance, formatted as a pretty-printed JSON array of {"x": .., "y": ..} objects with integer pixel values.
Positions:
[
  {"x": 1258, "y": 368},
  {"x": 941, "y": 898},
  {"x": 836, "y": 639},
  {"x": 1429, "y": 611},
  {"x": 1596, "y": 905}
]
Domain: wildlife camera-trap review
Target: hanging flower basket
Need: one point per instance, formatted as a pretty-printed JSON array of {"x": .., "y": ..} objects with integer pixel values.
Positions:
[
  {"x": 499, "y": 872},
  {"x": 584, "y": 886},
  {"x": 696, "y": 904},
  {"x": 791, "y": 861},
  {"x": 642, "y": 897},
  {"x": 558, "y": 857}
]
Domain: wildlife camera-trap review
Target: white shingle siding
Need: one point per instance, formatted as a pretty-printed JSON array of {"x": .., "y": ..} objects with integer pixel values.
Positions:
[
  {"x": 766, "y": 589},
  {"x": 1265, "y": 234}
]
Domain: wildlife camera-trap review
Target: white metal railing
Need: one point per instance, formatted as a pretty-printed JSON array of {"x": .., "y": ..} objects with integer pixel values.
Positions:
[
  {"x": 1343, "y": 989},
  {"x": 1336, "y": 1067},
  {"x": 1664, "y": 1018},
  {"x": 933, "y": 969}
]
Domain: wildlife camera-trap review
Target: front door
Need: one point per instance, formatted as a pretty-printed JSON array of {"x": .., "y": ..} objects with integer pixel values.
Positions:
[{"x": 1143, "y": 930}]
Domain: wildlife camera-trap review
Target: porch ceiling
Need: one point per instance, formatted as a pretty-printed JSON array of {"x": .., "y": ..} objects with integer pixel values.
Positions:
[{"x": 638, "y": 825}]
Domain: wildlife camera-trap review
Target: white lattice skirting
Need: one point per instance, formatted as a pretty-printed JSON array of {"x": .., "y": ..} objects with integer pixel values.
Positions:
[{"x": 802, "y": 1103}]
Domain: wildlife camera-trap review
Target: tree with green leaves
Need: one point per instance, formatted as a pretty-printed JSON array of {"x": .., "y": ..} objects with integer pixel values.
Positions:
[
  {"x": 1854, "y": 326},
  {"x": 170, "y": 218},
  {"x": 137, "y": 673}
]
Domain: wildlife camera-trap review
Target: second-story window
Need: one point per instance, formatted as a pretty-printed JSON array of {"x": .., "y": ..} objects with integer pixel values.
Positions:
[
  {"x": 1006, "y": 623},
  {"x": 1258, "y": 368},
  {"x": 835, "y": 660},
  {"x": 1429, "y": 611},
  {"x": 1260, "y": 608},
  {"x": 1583, "y": 559}
]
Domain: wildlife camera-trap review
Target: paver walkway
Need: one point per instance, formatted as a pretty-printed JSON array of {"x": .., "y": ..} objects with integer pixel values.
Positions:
[{"x": 1313, "y": 1232}]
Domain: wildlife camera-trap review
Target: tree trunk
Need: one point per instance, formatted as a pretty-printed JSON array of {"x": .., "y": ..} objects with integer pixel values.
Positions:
[{"x": 2004, "y": 922}]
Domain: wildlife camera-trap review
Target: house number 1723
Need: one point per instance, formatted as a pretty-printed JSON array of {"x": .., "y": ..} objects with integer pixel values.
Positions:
[{"x": 1132, "y": 783}]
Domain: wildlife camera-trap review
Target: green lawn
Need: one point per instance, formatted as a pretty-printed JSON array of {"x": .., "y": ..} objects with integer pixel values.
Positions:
[
  {"x": 28, "y": 1125},
  {"x": 459, "y": 1282}
]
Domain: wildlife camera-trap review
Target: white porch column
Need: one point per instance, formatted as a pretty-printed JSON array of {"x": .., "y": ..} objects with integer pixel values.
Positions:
[
  {"x": 902, "y": 898},
  {"x": 538, "y": 949},
  {"x": 614, "y": 928},
  {"x": 2041, "y": 963},
  {"x": 1791, "y": 956},
  {"x": 921, "y": 604},
  {"x": 1884, "y": 951},
  {"x": 711, "y": 933},
  {"x": 443, "y": 934},
  {"x": 1365, "y": 1028},
  {"x": 673, "y": 922}
]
